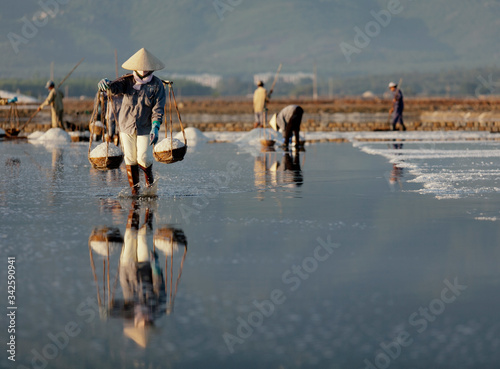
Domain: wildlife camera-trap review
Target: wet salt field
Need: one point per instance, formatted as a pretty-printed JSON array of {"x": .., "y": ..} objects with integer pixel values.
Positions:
[{"x": 378, "y": 252}]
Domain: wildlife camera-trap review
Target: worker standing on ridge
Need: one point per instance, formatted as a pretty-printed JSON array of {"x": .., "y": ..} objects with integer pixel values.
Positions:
[
  {"x": 55, "y": 100},
  {"x": 260, "y": 100},
  {"x": 398, "y": 106},
  {"x": 141, "y": 113}
]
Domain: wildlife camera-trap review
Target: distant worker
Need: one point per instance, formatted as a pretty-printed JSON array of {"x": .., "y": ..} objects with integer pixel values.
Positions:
[
  {"x": 288, "y": 122},
  {"x": 5, "y": 101},
  {"x": 55, "y": 100},
  {"x": 397, "y": 107},
  {"x": 141, "y": 113},
  {"x": 260, "y": 100}
]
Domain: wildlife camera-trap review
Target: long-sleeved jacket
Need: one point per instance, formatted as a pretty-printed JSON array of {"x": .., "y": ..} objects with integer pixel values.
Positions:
[
  {"x": 398, "y": 102},
  {"x": 54, "y": 100},
  {"x": 284, "y": 116},
  {"x": 139, "y": 107},
  {"x": 259, "y": 99}
]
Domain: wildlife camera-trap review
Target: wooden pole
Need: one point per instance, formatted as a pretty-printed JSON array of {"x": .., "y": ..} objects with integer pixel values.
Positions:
[
  {"x": 275, "y": 80},
  {"x": 315, "y": 82},
  {"x": 69, "y": 74}
]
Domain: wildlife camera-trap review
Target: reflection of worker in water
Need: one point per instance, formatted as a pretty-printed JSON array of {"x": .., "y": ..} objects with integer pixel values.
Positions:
[
  {"x": 396, "y": 175},
  {"x": 396, "y": 172},
  {"x": 141, "y": 279},
  {"x": 397, "y": 107},
  {"x": 292, "y": 170},
  {"x": 288, "y": 122},
  {"x": 55, "y": 100},
  {"x": 169, "y": 240},
  {"x": 148, "y": 293}
]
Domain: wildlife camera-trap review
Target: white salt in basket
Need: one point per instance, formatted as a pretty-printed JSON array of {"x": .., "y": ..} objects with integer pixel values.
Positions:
[
  {"x": 106, "y": 156},
  {"x": 169, "y": 150}
]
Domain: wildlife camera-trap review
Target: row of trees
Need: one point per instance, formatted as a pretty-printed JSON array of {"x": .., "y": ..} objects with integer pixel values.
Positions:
[{"x": 484, "y": 81}]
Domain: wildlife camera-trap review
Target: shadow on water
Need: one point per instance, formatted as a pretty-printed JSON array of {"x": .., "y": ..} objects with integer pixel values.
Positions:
[{"x": 147, "y": 281}]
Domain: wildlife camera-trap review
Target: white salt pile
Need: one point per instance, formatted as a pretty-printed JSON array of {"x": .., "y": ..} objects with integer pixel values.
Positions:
[
  {"x": 166, "y": 145},
  {"x": 193, "y": 135},
  {"x": 20, "y": 98},
  {"x": 98, "y": 123},
  {"x": 35, "y": 135},
  {"x": 100, "y": 151},
  {"x": 54, "y": 135},
  {"x": 256, "y": 135}
]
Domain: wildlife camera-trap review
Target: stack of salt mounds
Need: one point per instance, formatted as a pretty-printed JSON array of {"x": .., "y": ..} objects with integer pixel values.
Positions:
[
  {"x": 106, "y": 156},
  {"x": 170, "y": 150},
  {"x": 53, "y": 135}
]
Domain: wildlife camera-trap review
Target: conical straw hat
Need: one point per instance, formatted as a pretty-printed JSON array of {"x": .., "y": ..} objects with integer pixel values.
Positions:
[
  {"x": 273, "y": 123},
  {"x": 143, "y": 60}
]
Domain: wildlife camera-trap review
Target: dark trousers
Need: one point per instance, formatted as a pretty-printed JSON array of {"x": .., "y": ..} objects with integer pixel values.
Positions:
[
  {"x": 293, "y": 126},
  {"x": 397, "y": 117}
]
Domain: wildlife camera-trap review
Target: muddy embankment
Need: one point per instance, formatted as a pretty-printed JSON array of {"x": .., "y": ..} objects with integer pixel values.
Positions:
[{"x": 343, "y": 114}]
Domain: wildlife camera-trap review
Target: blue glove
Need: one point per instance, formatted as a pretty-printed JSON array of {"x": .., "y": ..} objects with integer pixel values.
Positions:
[
  {"x": 13, "y": 100},
  {"x": 153, "y": 135},
  {"x": 103, "y": 84}
]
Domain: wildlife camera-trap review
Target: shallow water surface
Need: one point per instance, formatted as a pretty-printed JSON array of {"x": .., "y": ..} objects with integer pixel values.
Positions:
[{"x": 328, "y": 258}]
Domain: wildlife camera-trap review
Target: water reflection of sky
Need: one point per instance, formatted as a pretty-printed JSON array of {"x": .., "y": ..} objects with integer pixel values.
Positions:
[{"x": 322, "y": 274}]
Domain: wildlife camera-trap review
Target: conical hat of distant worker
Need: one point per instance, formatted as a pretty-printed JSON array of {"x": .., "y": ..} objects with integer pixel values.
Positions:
[
  {"x": 143, "y": 60},
  {"x": 273, "y": 123}
]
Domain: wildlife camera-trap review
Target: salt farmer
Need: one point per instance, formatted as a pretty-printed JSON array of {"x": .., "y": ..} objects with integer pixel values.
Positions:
[
  {"x": 55, "y": 100},
  {"x": 141, "y": 113},
  {"x": 260, "y": 100},
  {"x": 288, "y": 122},
  {"x": 397, "y": 107}
]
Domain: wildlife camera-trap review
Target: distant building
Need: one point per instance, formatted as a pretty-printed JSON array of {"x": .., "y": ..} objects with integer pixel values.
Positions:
[
  {"x": 205, "y": 79},
  {"x": 292, "y": 78},
  {"x": 368, "y": 95}
]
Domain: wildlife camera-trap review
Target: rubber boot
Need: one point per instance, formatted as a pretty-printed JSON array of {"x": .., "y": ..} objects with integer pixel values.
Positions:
[
  {"x": 133, "y": 178},
  {"x": 148, "y": 174}
]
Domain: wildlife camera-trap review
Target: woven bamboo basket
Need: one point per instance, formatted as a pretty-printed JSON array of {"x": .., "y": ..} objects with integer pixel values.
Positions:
[
  {"x": 170, "y": 156},
  {"x": 176, "y": 154},
  {"x": 267, "y": 143},
  {"x": 111, "y": 162},
  {"x": 105, "y": 162}
]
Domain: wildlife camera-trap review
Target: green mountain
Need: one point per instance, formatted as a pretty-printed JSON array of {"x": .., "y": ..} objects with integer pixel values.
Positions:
[{"x": 242, "y": 37}]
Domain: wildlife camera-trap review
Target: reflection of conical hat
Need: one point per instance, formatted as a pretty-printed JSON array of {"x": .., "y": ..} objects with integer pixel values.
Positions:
[
  {"x": 143, "y": 60},
  {"x": 272, "y": 122},
  {"x": 138, "y": 335}
]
